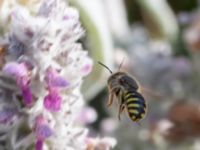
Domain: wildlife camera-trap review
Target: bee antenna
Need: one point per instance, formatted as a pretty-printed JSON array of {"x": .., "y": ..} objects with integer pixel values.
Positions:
[
  {"x": 121, "y": 63},
  {"x": 105, "y": 66}
]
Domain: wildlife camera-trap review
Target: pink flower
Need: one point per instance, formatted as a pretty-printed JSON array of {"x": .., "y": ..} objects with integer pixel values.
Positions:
[
  {"x": 39, "y": 144},
  {"x": 15, "y": 69},
  {"x": 53, "y": 79},
  {"x": 86, "y": 67},
  {"x": 23, "y": 83},
  {"x": 42, "y": 128},
  {"x": 52, "y": 101},
  {"x": 21, "y": 73},
  {"x": 42, "y": 131}
]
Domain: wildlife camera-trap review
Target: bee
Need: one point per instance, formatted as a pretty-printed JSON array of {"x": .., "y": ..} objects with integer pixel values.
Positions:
[{"x": 127, "y": 91}]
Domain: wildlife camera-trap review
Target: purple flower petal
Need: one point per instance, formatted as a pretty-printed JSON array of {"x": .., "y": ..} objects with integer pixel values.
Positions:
[
  {"x": 18, "y": 70},
  {"x": 58, "y": 82},
  {"x": 66, "y": 17},
  {"x": 43, "y": 131},
  {"x": 87, "y": 67},
  {"x": 53, "y": 79},
  {"x": 42, "y": 128},
  {"x": 52, "y": 101},
  {"x": 25, "y": 89},
  {"x": 27, "y": 95},
  {"x": 39, "y": 144}
]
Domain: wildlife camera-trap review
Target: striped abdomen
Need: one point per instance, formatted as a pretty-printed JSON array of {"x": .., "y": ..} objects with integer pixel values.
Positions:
[{"x": 136, "y": 105}]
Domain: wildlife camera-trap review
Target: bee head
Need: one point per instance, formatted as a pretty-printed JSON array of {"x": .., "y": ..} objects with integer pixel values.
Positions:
[
  {"x": 116, "y": 77},
  {"x": 121, "y": 78}
]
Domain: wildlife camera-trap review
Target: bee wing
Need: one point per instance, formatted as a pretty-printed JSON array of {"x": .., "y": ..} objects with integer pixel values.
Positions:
[{"x": 129, "y": 82}]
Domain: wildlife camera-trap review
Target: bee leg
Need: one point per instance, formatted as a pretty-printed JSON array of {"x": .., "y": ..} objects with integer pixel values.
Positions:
[
  {"x": 110, "y": 99},
  {"x": 111, "y": 96},
  {"x": 121, "y": 108}
]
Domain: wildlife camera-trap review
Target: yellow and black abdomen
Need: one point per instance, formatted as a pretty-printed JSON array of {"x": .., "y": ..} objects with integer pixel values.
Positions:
[{"x": 136, "y": 105}]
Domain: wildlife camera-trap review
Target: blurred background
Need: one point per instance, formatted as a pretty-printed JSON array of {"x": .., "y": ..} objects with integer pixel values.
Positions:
[{"x": 159, "y": 41}]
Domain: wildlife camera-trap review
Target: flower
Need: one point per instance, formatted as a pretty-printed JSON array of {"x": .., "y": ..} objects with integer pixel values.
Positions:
[
  {"x": 21, "y": 73},
  {"x": 52, "y": 101},
  {"x": 48, "y": 64},
  {"x": 15, "y": 69},
  {"x": 53, "y": 79},
  {"x": 39, "y": 145},
  {"x": 42, "y": 131}
]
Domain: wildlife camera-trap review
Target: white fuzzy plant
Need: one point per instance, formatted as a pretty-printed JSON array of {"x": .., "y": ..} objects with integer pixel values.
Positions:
[{"x": 43, "y": 66}]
